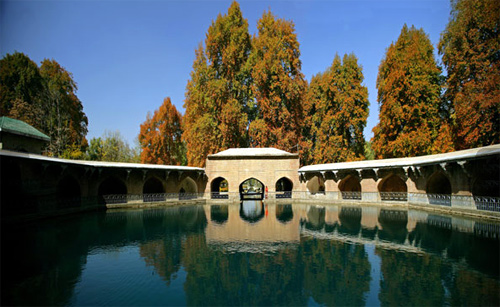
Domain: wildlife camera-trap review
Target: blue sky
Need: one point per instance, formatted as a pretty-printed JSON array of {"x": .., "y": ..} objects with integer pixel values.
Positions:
[{"x": 128, "y": 55}]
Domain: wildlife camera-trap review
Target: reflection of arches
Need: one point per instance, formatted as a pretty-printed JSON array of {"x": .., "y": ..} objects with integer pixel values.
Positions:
[
  {"x": 68, "y": 192},
  {"x": 251, "y": 188},
  {"x": 316, "y": 185},
  {"x": 315, "y": 218},
  {"x": 393, "y": 188},
  {"x": 439, "y": 189},
  {"x": 153, "y": 190},
  {"x": 285, "y": 186},
  {"x": 284, "y": 213},
  {"x": 188, "y": 189},
  {"x": 219, "y": 214},
  {"x": 350, "y": 188},
  {"x": 219, "y": 188},
  {"x": 252, "y": 210},
  {"x": 113, "y": 186},
  {"x": 350, "y": 220}
]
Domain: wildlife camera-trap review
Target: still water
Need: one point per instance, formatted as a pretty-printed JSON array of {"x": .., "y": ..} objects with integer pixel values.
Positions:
[{"x": 252, "y": 254}]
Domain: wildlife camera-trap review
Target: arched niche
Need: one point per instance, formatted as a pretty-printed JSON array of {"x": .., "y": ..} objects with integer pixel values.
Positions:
[
  {"x": 112, "y": 190},
  {"x": 284, "y": 187},
  {"x": 219, "y": 188},
  {"x": 316, "y": 185},
  {"x": 68, "y": 192},
  {"x": 393, "y": 188},
  {"x": 153, "y": 190},
  {"x": 350, "y": 188},
  {"x": 188, "y": 189},
  {"x": 251, "y": 188},
  {"x": 438, "y": 189}
]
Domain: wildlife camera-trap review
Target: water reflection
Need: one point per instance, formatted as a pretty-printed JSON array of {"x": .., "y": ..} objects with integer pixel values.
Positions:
[
  {"x": 251, "y": 211},
  {"x": 236, "y": 254}
]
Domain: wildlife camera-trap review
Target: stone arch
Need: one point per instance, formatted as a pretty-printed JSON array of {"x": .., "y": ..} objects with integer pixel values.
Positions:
[
  {"x": 316, "y": 185},
  {"x": 219, "y": 188},
  {"x": 486, "y": 186},
  {"x": 153, "y": 190},
  {"x": 438, "y": 183},
  {"x": 188, "y": 188},
  {"x": 68, "y": 192},
  {"x": 251, "y": 188},
  {"x": 115, "y": 187},
  {"x": 284, "y": 187},
  {"x": 438, "y": 189},
  {"x": 350, "y": 187},
  {"x": 393, "y": 188}
]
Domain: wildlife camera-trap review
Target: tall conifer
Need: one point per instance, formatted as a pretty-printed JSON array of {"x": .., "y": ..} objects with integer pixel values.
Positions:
[
  {"x": 341, "y": 104},
  {"x": 409, "y": 87},
  {"x": 278, "y": 84},
  {"x": 470, "y": 46},
  {"x": 218, "y": 93}
]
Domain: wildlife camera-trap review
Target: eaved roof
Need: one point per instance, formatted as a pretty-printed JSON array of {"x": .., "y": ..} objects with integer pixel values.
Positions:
[
  {"x": 239, "y": 153},
  {"x": 18, "y": 127},
  {"x": 462, "y": 155}
]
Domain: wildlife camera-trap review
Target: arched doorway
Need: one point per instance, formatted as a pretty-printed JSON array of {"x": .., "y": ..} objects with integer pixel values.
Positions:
[
  {"x": 68, "y": 192},
  {"x": 350, "y": 188},
  {"x": 439, "y": 189},
  {"x": 252, "y": 189},
  {"x": 219, "y": 188},
  {"x": 153, "y": 190},
  {"x": 316, "y": 185},
  {"x": 284, "y": 187},
  {"x": 188, "y": 189},
  {"x": 112, "y": 191},
  {"x": 393, "y": 188}
]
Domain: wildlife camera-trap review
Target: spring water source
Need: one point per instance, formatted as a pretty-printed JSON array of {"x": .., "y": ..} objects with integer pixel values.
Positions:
[{"x": 252, "y": 253}]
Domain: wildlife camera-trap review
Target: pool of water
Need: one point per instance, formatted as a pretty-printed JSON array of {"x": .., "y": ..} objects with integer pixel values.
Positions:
[{"x": 252, "y": 254}]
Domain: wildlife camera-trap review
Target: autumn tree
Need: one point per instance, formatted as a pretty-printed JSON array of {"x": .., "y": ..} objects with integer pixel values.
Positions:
[
  {"x": 409, "y": 85},
  {"x": 278, "y": 84},
  {"x": 340, "y": 109},
  {"x": 65, "y": 121},
  {"x": 44, "y": 97},
  {"x": 160, "y": 136},
  {"x": 470, "y": 47},
  {"x": 218, "y": 94}
]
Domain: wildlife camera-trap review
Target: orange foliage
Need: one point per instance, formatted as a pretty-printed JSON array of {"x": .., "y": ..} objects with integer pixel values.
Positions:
[
  {"x": 160, "y": 136},
  {"x": 470, "y": 47}
]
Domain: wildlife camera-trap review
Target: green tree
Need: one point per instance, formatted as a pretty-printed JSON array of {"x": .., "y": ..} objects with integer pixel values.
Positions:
[
  {"x": 112, "y": 147},
  {"x": 409, "y": 86},
  {"x": 160, "y": 137},
  {"x": 218, "y": 94},
  {"x": 20, "y": 80},
  {"x": 340, "y": 104},
  {"x": 278, "y": 84},
  {"x": 470, "y": 47}
]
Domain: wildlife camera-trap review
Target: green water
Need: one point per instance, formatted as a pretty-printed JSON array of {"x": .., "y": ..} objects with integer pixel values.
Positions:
[{"x": 252, "y": 254}]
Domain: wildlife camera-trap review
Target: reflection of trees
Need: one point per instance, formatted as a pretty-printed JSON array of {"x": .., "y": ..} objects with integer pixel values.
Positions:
[
  {"x": 428, "y": 280},
  {"x": 218, "y": 278},
  {"x": 50, "y": 255},
  {"x": 335, "y": 273}
]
